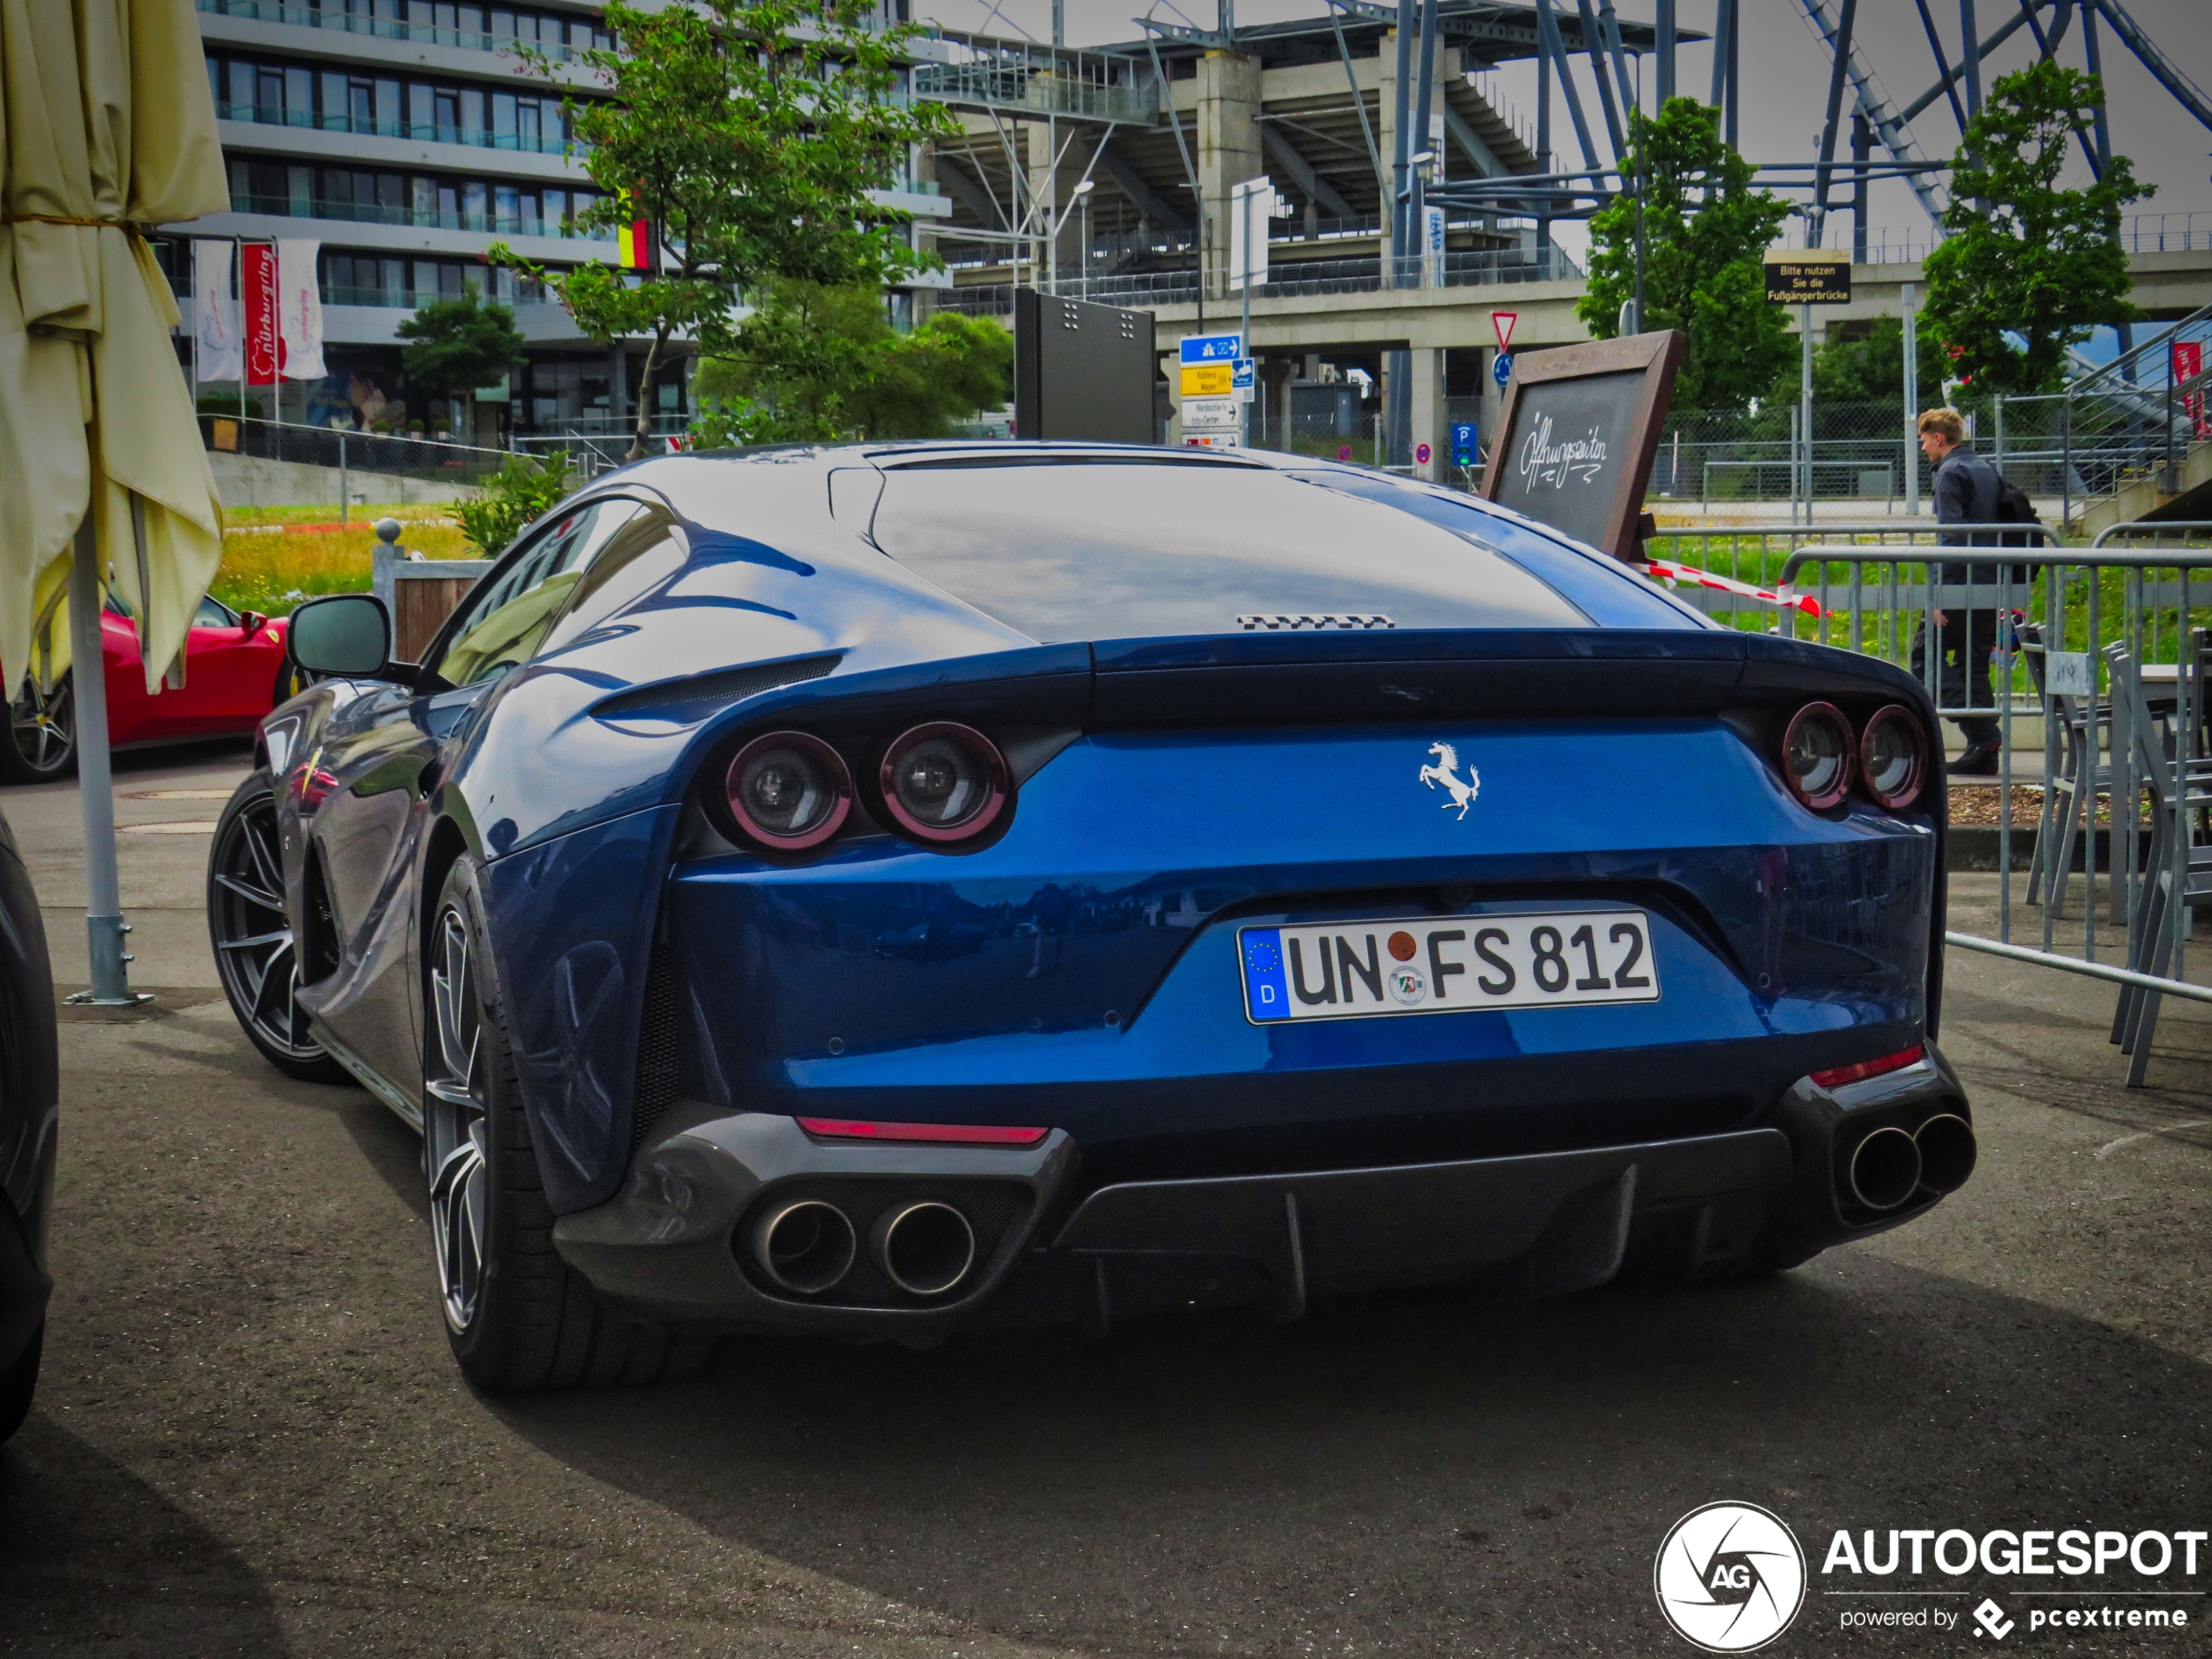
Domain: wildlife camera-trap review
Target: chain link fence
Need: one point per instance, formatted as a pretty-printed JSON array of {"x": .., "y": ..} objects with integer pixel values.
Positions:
[{"x": 1867, "y": 452}]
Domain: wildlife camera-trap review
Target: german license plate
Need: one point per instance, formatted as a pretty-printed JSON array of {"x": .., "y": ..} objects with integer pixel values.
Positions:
[{"x": 1353, "y": 969}]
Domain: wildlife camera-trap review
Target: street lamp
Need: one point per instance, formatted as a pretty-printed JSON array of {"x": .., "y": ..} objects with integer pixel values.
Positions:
[{"x": 1082, "y": 197}]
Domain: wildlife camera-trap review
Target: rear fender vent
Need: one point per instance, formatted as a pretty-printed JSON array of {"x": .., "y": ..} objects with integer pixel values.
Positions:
[
  {"x": 687, "y": 702},
  {"x": 657, "y": 1036}
]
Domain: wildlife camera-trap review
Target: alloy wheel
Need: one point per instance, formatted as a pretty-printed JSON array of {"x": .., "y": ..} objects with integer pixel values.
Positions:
[
  {"x": 44, "y": 724},
  {"x": 455, "y": 1122},
  {"x": 254, "y": 949}
]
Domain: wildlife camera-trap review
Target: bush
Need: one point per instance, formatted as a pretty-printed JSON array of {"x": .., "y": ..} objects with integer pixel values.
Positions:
[
  {"x": 222, "y": 403},
  {"x": 522, "y": 491}
]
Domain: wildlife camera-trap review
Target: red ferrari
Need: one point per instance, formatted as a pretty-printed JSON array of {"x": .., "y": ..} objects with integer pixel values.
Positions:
[{"x": 235, "y": 672}]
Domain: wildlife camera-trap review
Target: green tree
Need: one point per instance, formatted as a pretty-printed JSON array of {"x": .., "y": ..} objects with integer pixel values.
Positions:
[
  {"x": 1867, "y": 367},
  {"x": 749, "y": 134},
  {"x": 818, "y": 364},
  {"x": 519, "y": 494},
  {"x": 1705, "y": 232},
  {"x": 457, "y": 345},
  {"x": 2024, "y": 261}
]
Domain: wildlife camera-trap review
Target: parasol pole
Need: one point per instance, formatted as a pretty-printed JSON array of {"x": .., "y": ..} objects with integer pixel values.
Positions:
[{"x": 104, "y": 924}]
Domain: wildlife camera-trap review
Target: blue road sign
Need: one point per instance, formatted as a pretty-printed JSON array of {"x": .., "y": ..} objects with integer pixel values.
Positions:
[
  {"x": 1242, "y": 376},
  {"x": 1212, "y": 348},
  {"x": 1463, "y": 451},
  {"x": 1501, "y": 368}
]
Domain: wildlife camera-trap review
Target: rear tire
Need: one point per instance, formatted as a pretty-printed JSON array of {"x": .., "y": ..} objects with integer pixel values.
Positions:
[
  {"x": 518, "y": 1317},
  {"x": 19, "y": 1384},
  {"x": 41, "y": 745}
]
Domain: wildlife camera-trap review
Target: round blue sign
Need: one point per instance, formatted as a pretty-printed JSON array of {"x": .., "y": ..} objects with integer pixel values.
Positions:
[{"x": 1501, "y": 368}]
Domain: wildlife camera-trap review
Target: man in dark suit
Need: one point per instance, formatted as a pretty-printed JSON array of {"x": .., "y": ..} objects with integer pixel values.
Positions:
[{"x": 1966, "y": 489}]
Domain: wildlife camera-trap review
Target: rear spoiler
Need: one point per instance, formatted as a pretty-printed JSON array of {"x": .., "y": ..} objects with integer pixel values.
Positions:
[{"x": 1299, "y": 678}]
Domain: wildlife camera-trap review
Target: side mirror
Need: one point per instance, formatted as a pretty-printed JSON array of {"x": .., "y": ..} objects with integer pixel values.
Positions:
[
  {"x": 252, "y": 622},
  {"x": 347, "y": 636}
]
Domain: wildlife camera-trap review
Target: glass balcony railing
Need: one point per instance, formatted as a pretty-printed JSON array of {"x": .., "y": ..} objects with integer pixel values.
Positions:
[
  {"x": 344, "y": 293},
  {"x": 360, "y": 214},
  {"x": 541, "y": 144},
  {"x": 359, "y": 22}
]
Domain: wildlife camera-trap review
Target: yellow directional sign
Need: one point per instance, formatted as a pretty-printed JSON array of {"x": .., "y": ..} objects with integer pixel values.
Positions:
[
  {"x": 1208, "y": 380},
  {"x": 1808, "y": 276}
]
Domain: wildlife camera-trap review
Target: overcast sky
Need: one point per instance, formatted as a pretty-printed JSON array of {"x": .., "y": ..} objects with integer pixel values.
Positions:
[{"x": 1785, "y": 77}]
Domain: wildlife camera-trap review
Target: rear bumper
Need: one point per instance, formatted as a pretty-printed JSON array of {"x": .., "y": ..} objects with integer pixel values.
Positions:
[
  {"x": 672, "y": 1246},
  {"x": 1564, "y": 1218}
]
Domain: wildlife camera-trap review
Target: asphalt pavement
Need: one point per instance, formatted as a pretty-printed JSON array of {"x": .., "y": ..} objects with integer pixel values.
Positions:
[{"x": 250, "y": 1440}]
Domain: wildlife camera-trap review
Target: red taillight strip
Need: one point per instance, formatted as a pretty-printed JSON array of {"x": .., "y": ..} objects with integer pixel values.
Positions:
[
  {"x": 846, "y": 1128},
  {"x": 1836, "y": 1077}
]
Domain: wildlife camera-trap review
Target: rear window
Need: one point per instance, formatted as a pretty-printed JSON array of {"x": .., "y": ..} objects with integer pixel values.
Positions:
[{"x": 1135, "y": 551}]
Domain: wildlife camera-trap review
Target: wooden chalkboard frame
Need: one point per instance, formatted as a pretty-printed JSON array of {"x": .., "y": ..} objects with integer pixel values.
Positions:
[{"x": 1657, "y": 355}]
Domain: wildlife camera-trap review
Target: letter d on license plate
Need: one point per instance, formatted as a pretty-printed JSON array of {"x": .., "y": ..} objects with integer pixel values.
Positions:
[{"x": 1444, "y": 965}]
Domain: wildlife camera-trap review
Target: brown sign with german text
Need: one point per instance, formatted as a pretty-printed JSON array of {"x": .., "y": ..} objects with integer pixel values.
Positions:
[{"x": 1810, "y": 276}]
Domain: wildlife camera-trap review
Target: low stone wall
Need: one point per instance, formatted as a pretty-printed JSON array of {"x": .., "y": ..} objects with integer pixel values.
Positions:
[{"x": 253, "y": 481}]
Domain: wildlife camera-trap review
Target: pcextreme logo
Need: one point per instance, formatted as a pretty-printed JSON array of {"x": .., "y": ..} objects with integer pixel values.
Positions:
[{"x": 1730, "y": 1577}]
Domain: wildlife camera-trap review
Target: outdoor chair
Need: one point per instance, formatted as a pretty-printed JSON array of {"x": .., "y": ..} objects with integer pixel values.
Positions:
[{"x": 2177, "y": 874}]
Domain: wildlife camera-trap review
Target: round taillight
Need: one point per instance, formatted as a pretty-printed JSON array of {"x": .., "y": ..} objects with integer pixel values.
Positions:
[
  {"x": 943, "y": 782},
  {"x": 1893, "y": 756},
  {"x": 1817, "y": 755},
  {"x": 789, "y": 791}
]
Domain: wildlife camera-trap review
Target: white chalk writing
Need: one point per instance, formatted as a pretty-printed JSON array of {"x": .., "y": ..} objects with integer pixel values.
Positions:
[{"x": 1543, "y": 462}]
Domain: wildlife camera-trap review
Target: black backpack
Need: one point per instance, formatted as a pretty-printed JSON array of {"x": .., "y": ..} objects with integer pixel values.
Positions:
[{"x": 2014, "y": 508}]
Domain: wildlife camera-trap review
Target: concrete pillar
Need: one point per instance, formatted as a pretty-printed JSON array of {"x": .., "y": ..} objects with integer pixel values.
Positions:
[
  {"x": 1229, "y": 151},
  {"x": 1053, "y": 191},
  {"x": 1430, "y": 427},
  {"x": 1387, "y": 129}
]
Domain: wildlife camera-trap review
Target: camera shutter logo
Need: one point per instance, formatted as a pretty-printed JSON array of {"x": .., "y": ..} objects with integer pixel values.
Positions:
[{"x": 1730, "y": 1577}]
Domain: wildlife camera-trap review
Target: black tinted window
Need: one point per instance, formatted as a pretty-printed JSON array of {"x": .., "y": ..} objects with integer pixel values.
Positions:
[{"x": 1103, "y": 551}]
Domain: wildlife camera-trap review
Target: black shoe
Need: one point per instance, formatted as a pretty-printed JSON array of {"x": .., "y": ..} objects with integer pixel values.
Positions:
[{"x": 1979, "y": 761}]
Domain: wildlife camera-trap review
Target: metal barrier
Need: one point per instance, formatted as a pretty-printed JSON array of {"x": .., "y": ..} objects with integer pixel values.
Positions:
[
  {"x": 2121, "y": 717},
  {"x": 1725, "y": 550}
]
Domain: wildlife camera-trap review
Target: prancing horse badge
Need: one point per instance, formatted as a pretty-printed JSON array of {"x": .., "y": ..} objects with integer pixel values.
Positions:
[{"x": 1447, "y": 772}]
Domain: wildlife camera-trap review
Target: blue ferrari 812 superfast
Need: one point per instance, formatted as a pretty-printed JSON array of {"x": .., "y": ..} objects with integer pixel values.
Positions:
[{"x": 882, "y": 891}]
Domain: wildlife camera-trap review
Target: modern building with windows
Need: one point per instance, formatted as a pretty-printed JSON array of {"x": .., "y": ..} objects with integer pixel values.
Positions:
[{"x": 408, "y": 136}]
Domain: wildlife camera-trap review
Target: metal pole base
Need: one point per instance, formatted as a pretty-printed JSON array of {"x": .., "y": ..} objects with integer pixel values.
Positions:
[{"x": 110, "y": 964}]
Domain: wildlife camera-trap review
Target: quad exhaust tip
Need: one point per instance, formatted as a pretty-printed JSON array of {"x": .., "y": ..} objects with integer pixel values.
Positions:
[
  {"x": 1885, "y": 1169},
  {"x": 925, "y": 1249},
  {"x": 1947, "y": 1152},
  {"x": 805, "y": 1247}
]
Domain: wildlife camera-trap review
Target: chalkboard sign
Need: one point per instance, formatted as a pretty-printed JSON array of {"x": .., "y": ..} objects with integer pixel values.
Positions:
[{"x": 1579, "y": 431}]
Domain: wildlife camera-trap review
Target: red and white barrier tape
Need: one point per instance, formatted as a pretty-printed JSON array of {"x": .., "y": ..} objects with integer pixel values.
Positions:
[{"x": 1672, "y": 574}]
